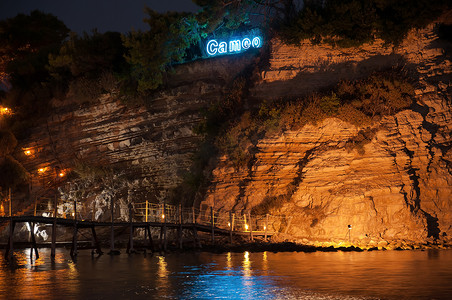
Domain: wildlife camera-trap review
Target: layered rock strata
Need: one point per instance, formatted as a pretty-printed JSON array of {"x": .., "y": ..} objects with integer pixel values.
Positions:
[
  {"x": 153, "y": 143},
  {"x": 397, "y": 190}
]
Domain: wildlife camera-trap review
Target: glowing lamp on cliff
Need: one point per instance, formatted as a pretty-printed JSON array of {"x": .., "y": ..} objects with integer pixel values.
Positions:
[
  {"x": 5, "y": 111},
  {"x": 42, "y": 170},
  {"x": 28, "y": 151},
  {"x": 61, "y": 174},
  {"x": 246, "y": 227}
]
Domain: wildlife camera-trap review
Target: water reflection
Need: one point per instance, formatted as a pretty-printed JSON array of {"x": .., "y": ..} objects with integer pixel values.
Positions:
[
  {"x": 267, "y": 275},
  {"x": 25, "y": 278}
]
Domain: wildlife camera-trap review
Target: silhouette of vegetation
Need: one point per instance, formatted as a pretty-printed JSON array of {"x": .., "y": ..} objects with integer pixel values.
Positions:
[
  {"x": 88, "y": 56},
  {"x": 153, "y": 52},
  {"x": 349, "y": 23}
]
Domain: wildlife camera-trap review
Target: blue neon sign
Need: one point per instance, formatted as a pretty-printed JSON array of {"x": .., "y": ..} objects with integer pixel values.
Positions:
[{"x": 235, "y": 45}]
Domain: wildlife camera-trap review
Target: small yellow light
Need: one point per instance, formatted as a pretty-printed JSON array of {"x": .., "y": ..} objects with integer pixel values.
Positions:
[
  {"x": 246, "y": 226},
  {"x": 5, "y": 110},
  {"x": 27, "y": 152},
  {"x": 73, "y": 214},
  {"x": 41, "y": 170},
  {"x": 265, "y": 227},
  {"x": 229, "y": 224},
  {"x": 163, "y": 216},
  {"x": 61, "y": 174}
]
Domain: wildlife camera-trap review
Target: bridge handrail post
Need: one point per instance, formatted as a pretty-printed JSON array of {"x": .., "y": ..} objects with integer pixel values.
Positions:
[
  {"x": 10, "y": 203},
  {"x": 36, "y": 205},
  {"x": 55, "y": 210},
  {"x": 250, "y": 226},
  {"x": 93, "y": 217},
  {"x": 180, "y": 213},
  {"x": 193, "y": 214},
  {"x": 212, "y": 224},
  {"x": 231, "y": 221},
  {"x": 266, "y": 226},
  {"x": 146, "y": 214}
]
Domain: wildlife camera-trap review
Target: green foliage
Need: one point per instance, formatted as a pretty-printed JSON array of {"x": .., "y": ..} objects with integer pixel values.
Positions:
[
  {"x": 236, "y": 141},
  {"x": 357, "y": 102},
  {"x": 88, "y": 56},
  {"x": 382, "y": 94},
  {"x": 349, "y": 23},
  {"x": 26, "y": 41},
  {"x": 217, "y": 16},
  {"x": 330, "y": 104},
  {"x": 228, "y": 108},
  {"x": 7, "y": 142},
  {"x": 153, "y": 52},
  {"x": 12, "y": 173}
]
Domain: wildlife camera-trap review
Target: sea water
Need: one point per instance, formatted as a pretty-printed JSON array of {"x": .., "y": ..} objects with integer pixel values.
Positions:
[{"x": 201, "y": 275}]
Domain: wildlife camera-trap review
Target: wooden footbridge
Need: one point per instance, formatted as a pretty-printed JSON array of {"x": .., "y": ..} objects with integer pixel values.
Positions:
[{"x": 146, "y": 216}]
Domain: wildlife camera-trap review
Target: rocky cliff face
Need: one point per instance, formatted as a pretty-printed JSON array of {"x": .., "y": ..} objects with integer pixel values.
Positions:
[
  {"x": 398, "y": 190},
  {"x": 153, "y": 145}
]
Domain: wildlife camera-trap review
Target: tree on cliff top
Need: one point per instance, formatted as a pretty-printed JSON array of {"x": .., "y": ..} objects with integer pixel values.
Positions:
[
  {"x": 153, "y": 52},
  {"x": 174, "y": 38},
  {"x": 349, "y": 23},
  {"x": 25, "y": 42},
  {"x": 88, "y": 55}
]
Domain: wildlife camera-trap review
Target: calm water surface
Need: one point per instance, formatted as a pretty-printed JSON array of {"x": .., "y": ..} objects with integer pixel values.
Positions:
[{"x": 267, "y": 275}]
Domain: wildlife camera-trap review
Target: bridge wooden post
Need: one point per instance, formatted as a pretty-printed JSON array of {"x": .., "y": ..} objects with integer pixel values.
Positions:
[
  {"x": 10, "y": 203},
  {"x": 230, "y": 226},
  {"x": 74, "y": 237},
  {"x": 146, "y": 220},
  {"x": 193, "y": 214},
  {"x": 130, "y": 244},
  {"x": 93, "y": 216},
  {"x": 180, "y": 226},
  {"x": 10, "y": 248},
  {"x": 250, "y": 226},
  {"x": 212, "y": 225},
  {"x": 151, "y": 242},
  {"x": 288, "y": 224},
  {"x": 33, "y": 241},
  {"x": 112, "y": 230},
  {"x": 266, "y": 227},
  {"x": 165, "y": 239},
  {"x": 55, "y": 210},
  {"x": 36, "y": 206},
  {"x": 95, "y": 240}
]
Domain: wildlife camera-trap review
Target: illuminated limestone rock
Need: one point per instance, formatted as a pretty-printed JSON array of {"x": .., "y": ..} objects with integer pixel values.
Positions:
[{"x": 398, "y": 190}]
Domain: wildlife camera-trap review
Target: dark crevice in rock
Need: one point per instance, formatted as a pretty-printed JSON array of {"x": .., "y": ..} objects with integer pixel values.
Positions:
[
  {"x": 300, "y": 171},
  {"x": 432, "y": 225},
  {"x": 415, "y": 179}
]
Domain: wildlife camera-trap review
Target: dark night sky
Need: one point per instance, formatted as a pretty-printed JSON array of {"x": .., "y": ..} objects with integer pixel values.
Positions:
[{"x": 105, "y": 15}]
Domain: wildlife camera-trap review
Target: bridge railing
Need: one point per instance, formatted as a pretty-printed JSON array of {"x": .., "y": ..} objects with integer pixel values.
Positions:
[{"x": 161, "y": 213}]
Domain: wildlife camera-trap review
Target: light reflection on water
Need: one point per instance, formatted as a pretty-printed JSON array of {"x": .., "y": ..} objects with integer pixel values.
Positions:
[{"x": 265, "y": 275}]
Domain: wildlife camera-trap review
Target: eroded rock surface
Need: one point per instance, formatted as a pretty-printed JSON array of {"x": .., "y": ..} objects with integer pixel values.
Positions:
[{"x": 397, "y": 190}]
